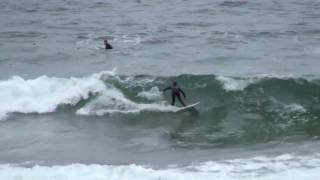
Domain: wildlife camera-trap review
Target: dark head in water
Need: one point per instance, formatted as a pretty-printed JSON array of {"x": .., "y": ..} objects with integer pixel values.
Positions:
[{"x": 107, "y": 45}]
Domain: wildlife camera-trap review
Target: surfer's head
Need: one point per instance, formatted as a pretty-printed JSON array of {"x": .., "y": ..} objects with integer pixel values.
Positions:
[
  {"x": 105, "y": 42},
  {"x": 174, "y": 83}
]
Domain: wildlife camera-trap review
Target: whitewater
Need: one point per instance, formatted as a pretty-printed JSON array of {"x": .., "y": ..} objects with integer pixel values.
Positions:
[
  {"x": 110, "y": 96},
  {"x": 285, "y": 167}
]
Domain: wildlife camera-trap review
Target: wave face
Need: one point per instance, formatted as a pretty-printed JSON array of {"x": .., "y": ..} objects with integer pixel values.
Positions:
[
  {"x": 233, "y": 111},
  {"x": 285, "y": 167}
]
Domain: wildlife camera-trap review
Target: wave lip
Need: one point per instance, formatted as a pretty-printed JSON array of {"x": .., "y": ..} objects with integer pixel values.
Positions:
[
  {"x": 44, "y": 94},
  {"x": 133, "y": 94},
  {"x": 231, "y": 84},
  {"x": 152, "y": 94}
]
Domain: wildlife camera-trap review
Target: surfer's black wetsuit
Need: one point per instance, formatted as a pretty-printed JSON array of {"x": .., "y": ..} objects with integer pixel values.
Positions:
[{"x": 175, "y": 92}]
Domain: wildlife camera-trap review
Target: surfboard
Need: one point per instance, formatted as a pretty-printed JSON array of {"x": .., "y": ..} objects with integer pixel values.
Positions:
[{"x": 187, "y": 107}]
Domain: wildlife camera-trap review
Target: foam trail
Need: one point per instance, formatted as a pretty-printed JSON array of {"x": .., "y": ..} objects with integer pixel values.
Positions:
[{"x": 113, "y": 101}]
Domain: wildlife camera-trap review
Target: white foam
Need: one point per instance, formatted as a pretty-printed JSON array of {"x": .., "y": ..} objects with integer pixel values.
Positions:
[
  {"x": 152, "y": 94},
  {"x": 284, "y": 167},
  {"x": 231, "y": 84},
  {"x": 294, "y": 107},
  {"x": 239, "y": 84},
  {"x": 131, "y": 82},
  {"x": 113, "y": 101},
  {"x": 44, "y": 94}
]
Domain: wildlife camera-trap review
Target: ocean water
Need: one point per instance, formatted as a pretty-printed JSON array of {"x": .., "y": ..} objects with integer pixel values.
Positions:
[{"x": 69, "y": 109}]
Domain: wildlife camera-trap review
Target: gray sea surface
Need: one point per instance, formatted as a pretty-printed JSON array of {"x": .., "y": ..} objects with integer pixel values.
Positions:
[{"x": 64, "y": 38}]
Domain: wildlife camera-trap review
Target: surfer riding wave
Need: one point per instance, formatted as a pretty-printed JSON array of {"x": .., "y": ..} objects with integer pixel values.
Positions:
[{"x": 175, "y": 92}]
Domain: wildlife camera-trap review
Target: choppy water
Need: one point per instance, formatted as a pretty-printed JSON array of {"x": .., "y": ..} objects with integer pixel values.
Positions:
[
  {"x": 65, "y": 114},
  {"x": 159, "y": 37}
]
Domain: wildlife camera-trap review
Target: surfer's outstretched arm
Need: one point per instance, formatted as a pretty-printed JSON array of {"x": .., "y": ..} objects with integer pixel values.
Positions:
[
  {"x": 184, "y": 95},
  {"x": 167, "y": 88}
]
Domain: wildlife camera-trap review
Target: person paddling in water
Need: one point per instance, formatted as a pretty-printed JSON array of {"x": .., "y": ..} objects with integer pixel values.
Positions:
[
  {"x": 175, "y": 92},
  {"x": 107, "y": 45}
]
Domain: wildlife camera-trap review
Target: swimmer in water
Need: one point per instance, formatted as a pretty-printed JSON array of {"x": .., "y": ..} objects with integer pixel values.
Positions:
[
  {"x": 107, "y": 45},
  {"x": 175, "y": 92}
]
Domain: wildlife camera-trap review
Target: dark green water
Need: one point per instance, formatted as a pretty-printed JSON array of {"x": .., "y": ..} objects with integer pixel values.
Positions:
[{"x": 233, "y": 111}]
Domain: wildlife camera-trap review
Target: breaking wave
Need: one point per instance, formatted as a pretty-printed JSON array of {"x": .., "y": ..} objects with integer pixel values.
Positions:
[{"x": 233, "y": 110}]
